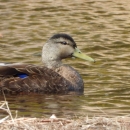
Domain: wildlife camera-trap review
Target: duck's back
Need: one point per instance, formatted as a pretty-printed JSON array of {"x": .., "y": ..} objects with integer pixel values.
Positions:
[{"x": 39, "y": 79}]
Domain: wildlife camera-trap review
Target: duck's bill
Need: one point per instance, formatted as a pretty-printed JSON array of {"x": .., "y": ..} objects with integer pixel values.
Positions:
[{"x": 77, "y": 53}]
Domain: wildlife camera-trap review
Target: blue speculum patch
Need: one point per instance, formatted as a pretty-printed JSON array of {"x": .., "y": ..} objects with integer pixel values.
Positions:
[{"x": 22, "y": 76}]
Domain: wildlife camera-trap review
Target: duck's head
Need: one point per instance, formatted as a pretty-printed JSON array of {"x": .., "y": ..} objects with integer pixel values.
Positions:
[{"x": 58, "y": 47}]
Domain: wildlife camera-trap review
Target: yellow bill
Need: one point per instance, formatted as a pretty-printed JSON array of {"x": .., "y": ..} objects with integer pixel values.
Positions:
[{"x": 77, "y": 53}]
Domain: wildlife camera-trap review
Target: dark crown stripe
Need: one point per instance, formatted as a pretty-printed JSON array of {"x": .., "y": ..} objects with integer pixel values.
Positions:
[{"x": 65, "y": 36}]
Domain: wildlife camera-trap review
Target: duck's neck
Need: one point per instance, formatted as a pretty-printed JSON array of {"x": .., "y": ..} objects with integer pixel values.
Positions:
[
  {"x": 52, "y": 64},
  {"x": 50, "y": 59}
]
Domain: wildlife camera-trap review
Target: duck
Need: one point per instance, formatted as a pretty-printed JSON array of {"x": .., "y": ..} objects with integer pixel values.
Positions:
[{"x": 53, "y": 77}]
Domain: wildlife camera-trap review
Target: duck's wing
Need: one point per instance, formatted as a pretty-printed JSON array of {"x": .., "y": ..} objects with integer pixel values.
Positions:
[{"x": 38, "y": 79}]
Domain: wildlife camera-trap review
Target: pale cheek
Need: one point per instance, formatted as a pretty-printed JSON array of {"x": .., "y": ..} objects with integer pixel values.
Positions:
[
  {"x": 66, "y": 51},
  {"x": 69, "y": 50}
]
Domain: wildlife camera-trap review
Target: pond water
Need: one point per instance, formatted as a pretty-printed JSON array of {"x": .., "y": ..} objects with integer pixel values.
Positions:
[{"x": 101, "y": 29}]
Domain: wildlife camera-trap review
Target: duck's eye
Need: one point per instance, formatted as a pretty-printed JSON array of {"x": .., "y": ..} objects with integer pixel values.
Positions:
[{"x": 64, "y": 43}]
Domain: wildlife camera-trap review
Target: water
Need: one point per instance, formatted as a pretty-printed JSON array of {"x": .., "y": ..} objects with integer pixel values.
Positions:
[{"x": 100, "y": 28}]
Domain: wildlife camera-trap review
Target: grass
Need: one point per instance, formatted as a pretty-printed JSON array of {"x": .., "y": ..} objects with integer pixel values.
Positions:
[{"x": 54, "y": 123}]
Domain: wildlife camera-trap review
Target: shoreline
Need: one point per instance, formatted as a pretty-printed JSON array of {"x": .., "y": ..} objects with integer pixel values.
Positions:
[{"x": 55, "y": 123}]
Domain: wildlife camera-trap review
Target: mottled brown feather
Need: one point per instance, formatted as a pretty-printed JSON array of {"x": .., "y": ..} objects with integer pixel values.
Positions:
[{"x": 40, "y": 80}]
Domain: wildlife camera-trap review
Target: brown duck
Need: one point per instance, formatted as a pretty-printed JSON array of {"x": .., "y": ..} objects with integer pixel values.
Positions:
[{"x": 52, "y": 78}]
